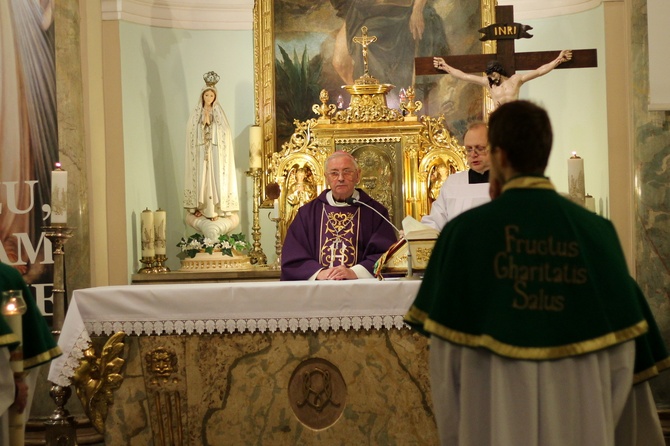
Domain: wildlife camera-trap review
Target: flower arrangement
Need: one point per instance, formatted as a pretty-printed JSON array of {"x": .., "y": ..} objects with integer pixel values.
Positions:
[{"x": 225, "y": 244}]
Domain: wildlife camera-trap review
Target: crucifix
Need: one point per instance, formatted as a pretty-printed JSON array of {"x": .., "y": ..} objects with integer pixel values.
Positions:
[
  {"x": 505, "y": 31},
  {"x": 364, "y": 41}
]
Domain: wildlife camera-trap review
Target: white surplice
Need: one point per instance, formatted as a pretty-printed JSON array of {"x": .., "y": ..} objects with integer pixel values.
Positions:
[
  {"x": 589, "y": 400},
  {"x": 457, "y": 195}
]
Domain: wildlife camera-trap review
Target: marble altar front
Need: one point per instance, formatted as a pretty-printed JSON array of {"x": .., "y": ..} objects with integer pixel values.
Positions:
[{"x": 258, "y": 363}]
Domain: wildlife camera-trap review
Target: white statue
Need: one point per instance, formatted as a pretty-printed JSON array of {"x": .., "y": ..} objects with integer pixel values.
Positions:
[{"x": 210, "y": 187}]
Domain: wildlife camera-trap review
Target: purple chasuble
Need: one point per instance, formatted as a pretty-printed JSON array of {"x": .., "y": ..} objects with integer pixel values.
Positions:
[{"x": 350, "y": 235}]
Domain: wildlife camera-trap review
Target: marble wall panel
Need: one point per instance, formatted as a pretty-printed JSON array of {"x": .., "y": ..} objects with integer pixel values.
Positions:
[{"x": 652, "y": 194}]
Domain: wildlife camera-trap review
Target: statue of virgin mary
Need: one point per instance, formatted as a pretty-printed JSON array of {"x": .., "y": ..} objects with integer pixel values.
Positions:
[{"x": 210, "y": 187}]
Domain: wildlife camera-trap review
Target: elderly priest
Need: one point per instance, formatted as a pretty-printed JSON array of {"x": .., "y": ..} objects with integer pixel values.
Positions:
[
  {"x": 539, "y": 336},
  {"x": 340, "y": 234}
]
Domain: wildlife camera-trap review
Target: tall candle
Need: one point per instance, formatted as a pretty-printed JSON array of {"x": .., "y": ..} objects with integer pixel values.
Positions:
[
  {"x": 147, "y": 230},
  {"x": 576, "y": 188},
  {"x": 58, "y": 195},
  {"x": 255, "y": 147},
  {"x": 160, "y": 232}
]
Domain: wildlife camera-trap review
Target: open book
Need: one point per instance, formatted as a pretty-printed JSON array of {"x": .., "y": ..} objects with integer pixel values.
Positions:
[
  {"x": 415, "y": 230},
  {"x": 418, "y": 238}
]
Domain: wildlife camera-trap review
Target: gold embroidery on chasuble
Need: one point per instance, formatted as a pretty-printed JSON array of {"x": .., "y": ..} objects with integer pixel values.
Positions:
[{"x": 339, "y": 238}]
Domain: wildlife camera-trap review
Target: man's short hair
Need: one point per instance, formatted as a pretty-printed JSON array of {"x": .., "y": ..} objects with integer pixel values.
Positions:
[
  {"x": 338, "y": 154},
  {"x": 474, "y": 125},
  {"x": 495, "y": 67},
  {"x": 523, "y": 130}
]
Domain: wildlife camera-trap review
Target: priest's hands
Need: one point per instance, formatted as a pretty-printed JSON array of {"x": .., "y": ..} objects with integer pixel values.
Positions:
[{"x": 336, "y": 273}]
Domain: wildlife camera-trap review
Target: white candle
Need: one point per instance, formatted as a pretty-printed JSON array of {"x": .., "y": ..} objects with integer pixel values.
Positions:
[
  {"x": 159, "y": 232},
  {"x": 590, "y": 203},
  {"x": 576, "y": 188},
  {"x": 58, "y": 195},
  {"x": 275, "y": 209},
  {"x": 13, "y": 307},
  {"x": 255, "y": 147},
  {"x": 147, "y": 230}
]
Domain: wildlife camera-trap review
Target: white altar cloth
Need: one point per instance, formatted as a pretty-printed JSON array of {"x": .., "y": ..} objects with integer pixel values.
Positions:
[{"x": 227, "y": 307}]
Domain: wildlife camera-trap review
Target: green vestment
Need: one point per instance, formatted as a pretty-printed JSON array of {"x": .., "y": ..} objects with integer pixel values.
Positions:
[
  {"x": 533, "y": 276},
  {"x": 39, "y": 345}
]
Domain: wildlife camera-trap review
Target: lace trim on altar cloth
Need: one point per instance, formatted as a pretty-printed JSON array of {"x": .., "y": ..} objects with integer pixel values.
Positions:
[
  {"x": 72, "y": 360},
  {"x": 213, "y": 326},
  {"x": 261, "y": 325}
]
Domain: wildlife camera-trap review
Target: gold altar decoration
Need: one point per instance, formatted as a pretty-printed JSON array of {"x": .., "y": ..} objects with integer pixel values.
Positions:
[
  {"x": 300, "y": 152},
  {"x": 97, "y": 377},
  {"x": 438, "y": 149},
  {"x": 265, "y": 31},
  {"x": 399, "y": 158},
  {"x": 399, "y": 154}
]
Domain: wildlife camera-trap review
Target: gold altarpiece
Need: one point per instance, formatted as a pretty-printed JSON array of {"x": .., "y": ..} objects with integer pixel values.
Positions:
[{"x": 399, "y": 153}]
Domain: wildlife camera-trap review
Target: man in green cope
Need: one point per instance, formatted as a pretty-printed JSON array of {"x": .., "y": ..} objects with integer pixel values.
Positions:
[
  {"x": 39, "y": 347},
  {"x": 539, "y": 335}
]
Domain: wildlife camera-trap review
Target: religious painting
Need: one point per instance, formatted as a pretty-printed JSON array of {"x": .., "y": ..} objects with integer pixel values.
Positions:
[
  {"x": 29, "y": 142},
  {"x": 303, "y": 46}
]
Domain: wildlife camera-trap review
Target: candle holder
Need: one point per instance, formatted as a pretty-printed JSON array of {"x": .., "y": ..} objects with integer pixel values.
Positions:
[
  {"x": 148, "y": 267},
  {"x": 410, "y": 106},
  {"x": 60, "y": 425},
  {"x": 277, "y": 263},
  {"x": 159, "y": 266},
  {"x": 58, "y": 235},
  {"x": 256, "y": 253}
]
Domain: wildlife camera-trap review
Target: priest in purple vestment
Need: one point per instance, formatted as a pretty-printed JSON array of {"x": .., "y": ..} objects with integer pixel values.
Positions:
[{"x": 337, "y": 236}]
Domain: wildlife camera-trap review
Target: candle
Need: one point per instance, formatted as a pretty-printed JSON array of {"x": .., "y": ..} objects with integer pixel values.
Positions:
[
  {"x": 13, "y": 307},
  {"x": 160, "y": 232},
  {"x": 275, "y": 209},
  {"x": 576, "y": 179},
  {"x": 58, "y": 196},
  {"x": 590, "y": 203},
  {"x": 255, "y": 147},
  {"x": 147, "y": 230}
]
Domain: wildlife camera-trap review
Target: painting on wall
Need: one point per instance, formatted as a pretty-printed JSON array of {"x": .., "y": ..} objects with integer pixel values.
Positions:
[{"x": 304, "y": 46}]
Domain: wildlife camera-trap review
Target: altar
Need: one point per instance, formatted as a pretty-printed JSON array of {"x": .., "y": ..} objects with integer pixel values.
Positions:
[{"x": 255, "y": 363}]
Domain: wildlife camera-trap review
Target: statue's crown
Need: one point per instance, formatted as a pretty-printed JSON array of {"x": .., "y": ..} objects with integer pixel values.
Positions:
[{"x": 211, "y": 78}]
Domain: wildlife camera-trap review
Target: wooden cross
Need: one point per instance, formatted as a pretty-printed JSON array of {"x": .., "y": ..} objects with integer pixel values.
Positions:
[{"x": 510, "y": 60}]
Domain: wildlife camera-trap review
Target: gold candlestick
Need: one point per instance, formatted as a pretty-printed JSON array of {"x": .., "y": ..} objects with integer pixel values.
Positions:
[
  {"x": 411, "y": 107},
  {"x": 58, "y": 235},
  {"x": 60, "y": 426},
  {"x": 148, "y": 263},
  {"x": 159, "y": 266},
  {"x": 256, "y": 253},
  {"x": 277, "y": 263}
]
